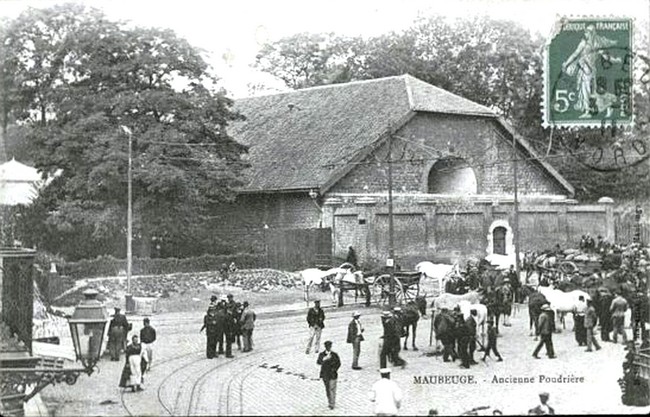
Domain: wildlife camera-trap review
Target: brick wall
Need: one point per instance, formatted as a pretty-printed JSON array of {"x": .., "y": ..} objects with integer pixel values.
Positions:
[{"x": 429, "y": 137}]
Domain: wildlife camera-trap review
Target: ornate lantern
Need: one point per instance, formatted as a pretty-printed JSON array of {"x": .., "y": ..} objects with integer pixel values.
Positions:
[{"x": 87, "y": 328}]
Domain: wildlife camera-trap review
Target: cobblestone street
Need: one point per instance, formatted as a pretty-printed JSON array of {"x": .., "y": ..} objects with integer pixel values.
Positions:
[{"x": 279, "y": 378}]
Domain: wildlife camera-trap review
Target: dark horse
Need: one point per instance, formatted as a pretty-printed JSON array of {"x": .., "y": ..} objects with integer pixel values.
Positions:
[
  {"x": 535, "y": 302},
  {"x": 409, "y": 319},
  {"x": 444, "y": 325}
]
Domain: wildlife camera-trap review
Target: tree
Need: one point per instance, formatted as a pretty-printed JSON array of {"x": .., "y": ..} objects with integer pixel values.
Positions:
[{"x": 75, "y": 78}]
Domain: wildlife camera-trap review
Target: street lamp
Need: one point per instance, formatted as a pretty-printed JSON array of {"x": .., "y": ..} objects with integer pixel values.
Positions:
[
  {"x": 129, "y": 220},
  {"x": 87, "y": 328}
]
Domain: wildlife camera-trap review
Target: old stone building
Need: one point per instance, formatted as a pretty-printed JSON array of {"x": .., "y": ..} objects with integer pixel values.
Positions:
[{"x": 319, "y": 158}]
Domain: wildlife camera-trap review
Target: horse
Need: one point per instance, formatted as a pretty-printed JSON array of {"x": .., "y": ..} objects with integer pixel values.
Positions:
[
  {"x": 535, "y": 302},
  {"x": 315, "y": 276},
  {"x": 409, "y": 319},
  {"x": 439, "y": 272},
  {"x": 505, "y": 297},
  {"x": 481, "y": 315},
  {"x": 449, "y": 301},
  {"x": 444, "y": 325},
  {"x": 562, "y": 302},
  {"x": 355, "y": 278}
]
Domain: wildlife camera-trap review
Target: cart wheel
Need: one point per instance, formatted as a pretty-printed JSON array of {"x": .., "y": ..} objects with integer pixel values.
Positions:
[{"x": 380, "y": 289}]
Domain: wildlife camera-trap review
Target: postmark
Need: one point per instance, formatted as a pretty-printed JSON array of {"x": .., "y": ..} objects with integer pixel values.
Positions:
[{"x": 588, "y": 73}]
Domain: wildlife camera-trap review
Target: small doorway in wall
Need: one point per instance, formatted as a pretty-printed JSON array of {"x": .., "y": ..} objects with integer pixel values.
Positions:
[{"x": 499, "y": 240}]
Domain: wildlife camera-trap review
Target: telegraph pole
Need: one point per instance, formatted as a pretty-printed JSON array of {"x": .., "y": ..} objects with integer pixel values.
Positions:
[
  {"x": 129, "y": 220},
  {"x": 516, "y": 206},
  {"x": 390, "y": 263}
]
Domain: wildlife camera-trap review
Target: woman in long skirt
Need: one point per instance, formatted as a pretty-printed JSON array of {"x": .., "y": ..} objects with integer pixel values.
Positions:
[{"x": 132, "y": 372}]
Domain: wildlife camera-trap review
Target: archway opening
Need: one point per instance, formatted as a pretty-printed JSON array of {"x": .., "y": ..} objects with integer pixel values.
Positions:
[
  {"x": 499, "y": 240},
  {"x": 452, "y": 176}
]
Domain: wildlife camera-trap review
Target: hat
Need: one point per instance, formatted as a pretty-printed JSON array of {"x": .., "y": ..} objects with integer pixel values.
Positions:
[
  {"x": 384, "y": 371},
  {"x": 316, "y": 301},
  {"x": 386, "y": 313},
  {"x": 546, "y": 306},
  {"x": 397, "y": 308},
  {"x": 544, "y": 394},
  {"x": 213, "y": 298},
  {"x": 223, "y": 298},
  {"x": 245, "y": 304},
  {"x": 328, "y": 343},
  {"x": 117, "y": 309},
  {"x": 229, "y": 295},
  {"x": 356, "y": 314}
]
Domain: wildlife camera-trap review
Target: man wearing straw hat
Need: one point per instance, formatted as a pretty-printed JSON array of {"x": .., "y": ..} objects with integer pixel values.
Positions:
[
  {"x": 386, "y": 395},
  {"x": 355, "y": 336},
  {"x": 545, "y": 329}
]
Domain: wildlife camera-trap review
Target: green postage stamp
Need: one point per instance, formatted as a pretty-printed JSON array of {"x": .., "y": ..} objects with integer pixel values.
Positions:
[{"x": 588, "y": 67}]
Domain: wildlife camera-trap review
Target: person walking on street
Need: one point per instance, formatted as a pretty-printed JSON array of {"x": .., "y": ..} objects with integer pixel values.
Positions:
[
  {"x": 210, "y": 323},
  {"x": 147, "y": 337},
  {"x": 471, "y": 332},
  {"x": 579, "y": 321},
  {"x": 355, "y": 336},
  {"x": 492, "y": 342},
  {"x": 132, "y": 371},
  {"x": 316, "y": 322},
  {"x": 618, "y": 309},
  {"x": 590, "y": 323},
  {"x": 386, "y": 395},
  {"x": 545, "y": 328},
  {"x": 117, "y": 331},
  {"x": 605, "y": 317},
  {"x": 247, "y": 326},
  {"x": 542, "y": 408},
  {"x": 330, "y": 363}
]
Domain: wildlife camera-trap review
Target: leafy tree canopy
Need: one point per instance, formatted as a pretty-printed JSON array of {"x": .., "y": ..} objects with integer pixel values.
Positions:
[{"x": 72, "y": 78}]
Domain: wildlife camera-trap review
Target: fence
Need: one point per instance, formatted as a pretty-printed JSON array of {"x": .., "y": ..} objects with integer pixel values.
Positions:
[
  {"x": 626, "y": 228},
  {"x": 293, "y": 249}
]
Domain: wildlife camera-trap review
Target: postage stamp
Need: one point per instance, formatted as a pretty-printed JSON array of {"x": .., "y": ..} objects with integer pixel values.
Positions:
[{"x": 588, "y": 73}]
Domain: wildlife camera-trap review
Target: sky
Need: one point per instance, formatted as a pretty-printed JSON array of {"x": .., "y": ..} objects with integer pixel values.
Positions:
[{"x": 231, "y": 32}]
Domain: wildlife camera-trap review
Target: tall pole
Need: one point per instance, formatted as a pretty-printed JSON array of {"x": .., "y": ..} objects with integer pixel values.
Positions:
[
  {"x": 516, "y": 206},
  {"x": 129, "y": 218},
  {"x": 391, "y": 241}
]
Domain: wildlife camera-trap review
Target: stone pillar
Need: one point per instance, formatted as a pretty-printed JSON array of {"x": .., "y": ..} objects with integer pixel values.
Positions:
[{"x": 610, "y": 231}]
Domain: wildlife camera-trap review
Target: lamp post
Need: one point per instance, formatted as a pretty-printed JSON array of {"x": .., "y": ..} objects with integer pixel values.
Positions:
[
  {"x": 129, "y": 220},
  {"x": 87, "y": 328},
  {"x": 390, "y": 262}
]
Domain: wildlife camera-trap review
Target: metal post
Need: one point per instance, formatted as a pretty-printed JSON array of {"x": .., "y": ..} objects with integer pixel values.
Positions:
[
  {"x": 391, "y": 242},
  {"x": 516, "y": 206},
  {"x": 129, "y": 222}
]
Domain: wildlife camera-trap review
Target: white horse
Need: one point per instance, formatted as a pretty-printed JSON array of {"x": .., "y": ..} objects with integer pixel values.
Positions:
[
  {"x": 449, "y": 301},
  {"x": 439, "y": 272},
  {"x": 315, "y": 276},
  {"x": 345, "y": 274},
  {"x": 562, "y": 302},
  {"x": 466, "y": 308}
]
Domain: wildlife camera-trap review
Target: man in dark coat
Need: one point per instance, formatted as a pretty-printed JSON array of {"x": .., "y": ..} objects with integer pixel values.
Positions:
[
  {"x": 117, "y": 332},
  {"x": 470, "y": 323},
  {"x": 355, "y": 336},
  {"x": 352, "y": 257},
  {"x": 316, "y": 322},
  {"x": 330, "y": 363},
  {"x": 221, "y": 317},
  {"x": 210, "y": 323},
  {"x": 640, "y": 313},
  {"x": 545, "y": 328},
  {"x": 605, "y": 317}
]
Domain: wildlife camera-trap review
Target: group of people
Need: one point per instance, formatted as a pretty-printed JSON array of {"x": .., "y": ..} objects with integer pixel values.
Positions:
[
  {"x": 138, "y": 353},
  {"x": 226, "y": 322}
]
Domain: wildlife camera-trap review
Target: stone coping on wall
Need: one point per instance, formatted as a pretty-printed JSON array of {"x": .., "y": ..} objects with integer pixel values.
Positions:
[{"x": 335, "y": 199}]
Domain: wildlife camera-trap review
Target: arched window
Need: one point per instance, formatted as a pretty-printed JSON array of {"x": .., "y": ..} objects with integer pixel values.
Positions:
[
  {"x": 452, "y": 176},
  {"x": 499, "y": 240}
]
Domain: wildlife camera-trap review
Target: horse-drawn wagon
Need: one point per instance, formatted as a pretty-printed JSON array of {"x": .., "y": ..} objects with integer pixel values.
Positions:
[{"x": 406, "y": 283}]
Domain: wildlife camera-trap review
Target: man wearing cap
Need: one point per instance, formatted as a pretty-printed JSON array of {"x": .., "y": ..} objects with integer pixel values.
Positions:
[
  {"x": 386, "y": 395},
  {"x": 247, "y": 325},
  {"x": 221, "y": 316},
  {"x": 545, "y": 328},
  {"x": 117, "y": 331},
  {"x": 355, "y": 336},
  {"x": 147, "y": 337},
  {"x": 213, "y": 301},
  {"x": 330, "y": 363},
  {"x": 211, "y": 324},
  {"x": 316, "y": 322},
  {"x": 543, "y": 408},
  {"x": 492, "y": 342}
]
